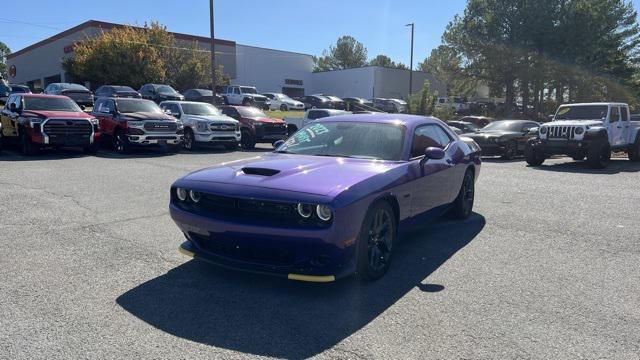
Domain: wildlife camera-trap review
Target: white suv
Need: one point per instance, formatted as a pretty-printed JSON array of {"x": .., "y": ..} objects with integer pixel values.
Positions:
[
  {"x": 590, "y": 130},
  {"x": 204, "y": 124}
]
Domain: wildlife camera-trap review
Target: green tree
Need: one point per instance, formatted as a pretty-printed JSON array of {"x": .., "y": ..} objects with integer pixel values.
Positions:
[
  {"x": 385, "y": 61},
  {"x": 347, "y": 53},
  {"x": 423, "y": 103},
  {"x": 4, "y": 51},
  {"x": 446, "y": 65}
]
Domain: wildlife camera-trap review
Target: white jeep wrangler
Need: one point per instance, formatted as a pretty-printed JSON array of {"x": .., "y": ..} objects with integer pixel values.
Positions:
[
  {"x": 591, "y": 130},
  {"x": 245, "y": 96}
]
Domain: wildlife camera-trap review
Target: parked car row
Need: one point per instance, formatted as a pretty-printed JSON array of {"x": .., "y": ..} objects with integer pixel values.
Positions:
[{"x": 35, "y": 121}]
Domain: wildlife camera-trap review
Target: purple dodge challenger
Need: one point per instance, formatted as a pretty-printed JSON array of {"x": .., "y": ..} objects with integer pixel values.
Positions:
[{"x": 331, "y": 200}]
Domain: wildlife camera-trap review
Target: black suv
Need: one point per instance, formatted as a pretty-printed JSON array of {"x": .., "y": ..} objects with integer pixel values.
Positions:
[
  {"x": 159, "y": 93},
  {"x": 317, "y": 102}
]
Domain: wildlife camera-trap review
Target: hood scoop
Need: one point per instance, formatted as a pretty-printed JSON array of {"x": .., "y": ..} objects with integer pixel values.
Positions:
[{"x": 259, "y": 171}]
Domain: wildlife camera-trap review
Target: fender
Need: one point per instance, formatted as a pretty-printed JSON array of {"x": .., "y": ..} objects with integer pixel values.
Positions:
[{"x": 596, "y": 133}]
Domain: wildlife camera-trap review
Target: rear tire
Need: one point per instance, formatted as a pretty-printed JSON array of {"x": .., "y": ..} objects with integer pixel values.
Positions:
[
  {"x": 634, "y": 150},
  {"x": 599, "y": 156},
  {"x": 376, "y": 241},
  {"x": 533, "y": 156},
  {"x": 247, "y": 141},
  {"x": 463, "y": 204}
]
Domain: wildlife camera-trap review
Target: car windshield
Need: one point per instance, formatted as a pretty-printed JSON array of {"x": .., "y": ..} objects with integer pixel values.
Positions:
[
  {"x": 134, "y": 106},
  {"x": 504, "y": 125},
  {"x": 347, "y": 139},
  {"x": 166, "y": 89},
  {"x": 582, "y": 112},
  {"x": 50, "y": 104},
  {"x": 122, "y": 88},
  {"x": 250, "y": 112},
  {"x": 200, "y": 109},
  {"x": 334, "y": 98},
  {"x": 282, "y": 97},
  {"x": 73, "y": 87},
  {"x": 248, "y": 90}
]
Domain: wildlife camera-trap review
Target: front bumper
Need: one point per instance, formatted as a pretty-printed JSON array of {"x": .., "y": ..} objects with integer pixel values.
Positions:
[
  {"x": 155, "y": 139},
  {"x": 296, "y": 253},
  {"x": 218, "y": 137},
  {"x": 563, "y": 147},
  {"x": 492, "y": 149}
]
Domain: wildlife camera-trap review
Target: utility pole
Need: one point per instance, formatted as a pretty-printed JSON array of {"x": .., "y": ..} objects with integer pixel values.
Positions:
[
  {"x": 213, "y": 50},
  {"x": 411, "y": 61}
]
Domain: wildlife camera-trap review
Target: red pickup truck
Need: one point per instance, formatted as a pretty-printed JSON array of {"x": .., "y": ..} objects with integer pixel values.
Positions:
[{"x": 38, "y": 121}]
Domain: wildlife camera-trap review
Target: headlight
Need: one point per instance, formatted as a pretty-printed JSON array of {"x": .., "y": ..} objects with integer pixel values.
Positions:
[
  {"x": 95, "y": 123},
  {"x": 195, "y": 196},
  {"x": 34, "y": 120},
  {"x": 323, "y": 212},
  {"x": 543, "y": 130},
  {"x": 305, "y": 210},
  {"x": 181, "y": 193},
  {"x": 201, "y": 126},
  {"x": 579, "y": 131}
]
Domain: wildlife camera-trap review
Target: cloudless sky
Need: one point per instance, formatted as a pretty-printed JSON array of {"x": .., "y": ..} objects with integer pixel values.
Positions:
[{"x": 294, "y": 25}]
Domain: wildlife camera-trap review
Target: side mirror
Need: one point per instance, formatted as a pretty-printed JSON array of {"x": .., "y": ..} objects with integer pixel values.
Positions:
[
  {"x": 432, "y": 153},
  {"x": 278, "y": 143}
]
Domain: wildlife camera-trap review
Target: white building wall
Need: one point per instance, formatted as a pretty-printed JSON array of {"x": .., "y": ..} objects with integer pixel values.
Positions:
[
  {"x": 394, "y": 83},
  {"x": 357, "y": 82},
  {"x": 268, "y": 69}
]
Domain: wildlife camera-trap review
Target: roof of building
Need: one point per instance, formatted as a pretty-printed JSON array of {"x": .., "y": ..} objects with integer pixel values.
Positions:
[{"x": 108, "y": 26}]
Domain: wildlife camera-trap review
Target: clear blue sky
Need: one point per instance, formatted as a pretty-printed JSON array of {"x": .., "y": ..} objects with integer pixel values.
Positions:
[{"x": 301, "y": 26}]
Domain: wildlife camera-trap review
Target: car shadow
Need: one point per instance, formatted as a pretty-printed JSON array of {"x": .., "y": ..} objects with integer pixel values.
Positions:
[
  {"x": 45, "y": 154},
  {"x": 262, "y": 315},
  {"x": 494, "y": 159},
  {"x": 581, "y": 167}
]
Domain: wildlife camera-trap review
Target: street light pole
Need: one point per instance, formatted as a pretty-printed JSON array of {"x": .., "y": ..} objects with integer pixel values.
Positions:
[
  {"x": 411, "y": 61},
  {"x": 213, "y": 50}
]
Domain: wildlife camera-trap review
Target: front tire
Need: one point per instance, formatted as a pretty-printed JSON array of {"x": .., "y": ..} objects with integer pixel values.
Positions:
[
  {"x": 247, "y": 102},
  {"x": 284, "y": 107},
  {"x": 463, "y": 204},
  {"x": 375, "y": 245},
  {"x": 599, "y": 156},
  {"x": 189, "y": 142},
  {"x": 510, "y": 150},
  {"x": 247, "y": 141},
  {"x": 532, "y": 155},
  {"x": 27, "y": 147},
  {"x": 121, "y": 143}
]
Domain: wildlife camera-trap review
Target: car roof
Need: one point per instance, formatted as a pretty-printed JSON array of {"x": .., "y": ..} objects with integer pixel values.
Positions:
[
  {"x": 403, "y": 119},
  {"x": 42, "y": 96},
  {"x": 122, "y": 99},
  {"x": 595, "y": 103}
]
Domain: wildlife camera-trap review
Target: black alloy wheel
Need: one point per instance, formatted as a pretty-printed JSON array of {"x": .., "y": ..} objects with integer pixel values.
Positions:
[
  {"x": 121, "y": 143},
  {"x": 463, "y": 204},
  {"x": 376, "y": 242},
  {"x": 510, "y": 150}
]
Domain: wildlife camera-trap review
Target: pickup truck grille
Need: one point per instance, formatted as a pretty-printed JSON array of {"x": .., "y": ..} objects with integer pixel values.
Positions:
[
  {"x": 223, "y": 127},
  {"x": 160, "y": 126},
  {"x": 562, "y": 132},
  {"x": 67, "y": 127},
  {"x": 275, "y": 129}
]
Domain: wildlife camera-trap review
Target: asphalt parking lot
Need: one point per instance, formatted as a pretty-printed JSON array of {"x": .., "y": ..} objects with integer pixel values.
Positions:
[{"x": 547, "y": 268}]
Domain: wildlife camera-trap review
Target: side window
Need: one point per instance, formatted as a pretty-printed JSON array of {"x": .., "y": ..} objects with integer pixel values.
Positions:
[
  {"x": 614, "y": 115},
  {"x": 236, "y": 90},
  {"x": 428, "y": 136},
  {"x": 625, "y": 114},
  {"x": 109, "y": 106},
  {"x": 175, "y": 109},
  {"x": 229, "y": 112},
  {"x": 313, "y": 114}
]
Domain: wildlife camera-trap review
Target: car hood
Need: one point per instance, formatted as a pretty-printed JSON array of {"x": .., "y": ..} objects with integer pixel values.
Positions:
[
  {"x": 213, "y": 118},
  {"x": 327, "y": 176},
  {"x": 57, "y": 114},
  {"x": 147, "y": 116},
  {"x": 576, "y": 122},
  {"x": 268, "y": 120}
]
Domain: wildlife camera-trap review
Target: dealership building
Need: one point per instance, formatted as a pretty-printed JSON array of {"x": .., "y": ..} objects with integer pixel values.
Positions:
[{"x": 269, "y": 70}]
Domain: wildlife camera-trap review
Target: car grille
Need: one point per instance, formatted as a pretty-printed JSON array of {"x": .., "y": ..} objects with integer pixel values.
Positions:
[
  {"x": 562, "y": 132},
  {"x": 240, "y": 249},
  {"x": 160, "y": 126},
  {"x": 224, "y": 127},
  {"x": 267, "y": 213},
  {"x": 68, "y": 127},
  {"x": 275, "y": 129}
]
